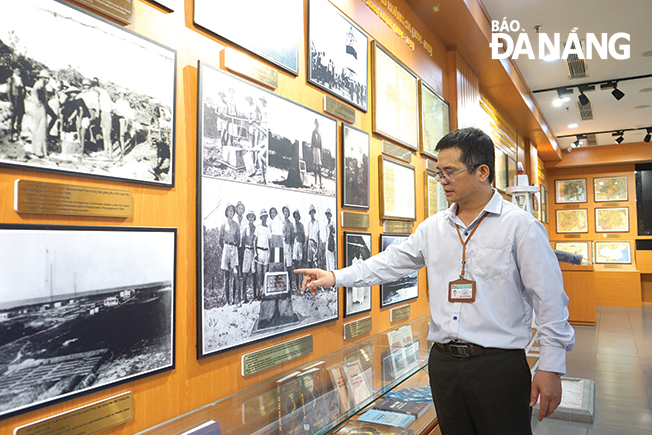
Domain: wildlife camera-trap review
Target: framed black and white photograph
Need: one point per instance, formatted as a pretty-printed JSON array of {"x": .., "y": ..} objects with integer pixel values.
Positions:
[
  {"x": 86, "y": 111},
  {"x": 250, "y": 239},
  {"x": 337, "y": 54},
  {"x": 246, "y": 133},
  {"x": 357, "y": 247},
  {"x": 403, "y": 289},
  {"x": 396, "y": 95},
  {"x": 397, "y": 189},
  {"x": 82, "y": 309},
  {"x": 435, "y": 119},
  {"x": 355, "y": 160},
  {"x": 271, "y": 30}
]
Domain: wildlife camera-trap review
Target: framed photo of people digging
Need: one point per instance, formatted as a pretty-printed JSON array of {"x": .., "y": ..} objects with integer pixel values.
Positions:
[
  {"x": 337, "y": 54},
  {"x": 357, "y": 246},
  {"x": 268, "y": 29},
  {"x": 397, "y": 189},
  {"x": 250, "y": 239},
  {"x": 246, "y": 133},
  {"x": 82, "y": 309},
  {"x": 396, "y": 95},
  {"x": 81, "y": 111},
  {"x": 400, "y": 290},
  {"x": 435, "y": 122},
  {"x": 355, "y": 162}
]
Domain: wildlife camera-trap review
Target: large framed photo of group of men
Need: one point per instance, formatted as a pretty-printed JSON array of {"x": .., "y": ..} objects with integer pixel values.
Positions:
[
  {"x": 357, "y": 246},
  {"x": 82, "y": 309},
  {"x": 104, "y": 108},
  {"x": 249, "y": 134},
  {"x": 266, "y": 205},
  {"x": 337, "y": 54},
  {"x": 271, "y": 30}
]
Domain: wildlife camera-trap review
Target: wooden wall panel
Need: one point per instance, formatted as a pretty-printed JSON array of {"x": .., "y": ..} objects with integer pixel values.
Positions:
[{"x": 618, "y": 289}]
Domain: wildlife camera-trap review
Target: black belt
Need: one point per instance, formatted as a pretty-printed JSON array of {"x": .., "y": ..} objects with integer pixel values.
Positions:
[{"x": 465, "y": 350}]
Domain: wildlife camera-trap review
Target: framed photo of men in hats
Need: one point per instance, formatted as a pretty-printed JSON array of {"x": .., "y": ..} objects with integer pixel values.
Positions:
[{"x": 82, "y": 112}]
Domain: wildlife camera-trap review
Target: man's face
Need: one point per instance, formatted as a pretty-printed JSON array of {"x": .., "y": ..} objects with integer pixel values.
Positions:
[
  {"x": 241, "y": 210},
  {"x": 464, "y": 183},
  {"x": 286, "y": 213},
  {"x": 272, "y": 213},
  {"x": 230, "y": 212},
  {"x": 263, "y": 220}
]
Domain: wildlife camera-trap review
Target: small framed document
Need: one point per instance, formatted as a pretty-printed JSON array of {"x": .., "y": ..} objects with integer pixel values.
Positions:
[{"x": 397, "y": 190}]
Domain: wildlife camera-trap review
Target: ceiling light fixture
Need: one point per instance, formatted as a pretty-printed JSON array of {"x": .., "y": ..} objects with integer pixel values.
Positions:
[
  {"x": 648, "y": 136},
  {"x": 562, "y": 97},
  {"x": 617, "y": 93},
  {"x": 584, "y": 100},
  {"x": 573, "y": 125},
  {"x": 620, "y": 138}
]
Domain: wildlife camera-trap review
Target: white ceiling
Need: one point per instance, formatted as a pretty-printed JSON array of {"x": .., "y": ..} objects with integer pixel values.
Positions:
[{"x": 588, "y": 16}]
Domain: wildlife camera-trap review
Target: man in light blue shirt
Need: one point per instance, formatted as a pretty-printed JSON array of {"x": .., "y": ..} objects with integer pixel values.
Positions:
[{"x": 489, "y": 264}]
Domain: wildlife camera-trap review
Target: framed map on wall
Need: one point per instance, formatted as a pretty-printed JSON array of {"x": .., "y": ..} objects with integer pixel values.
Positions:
[
  {"x": 570, "y": 191},
  {"x": 612, "y": 220},
  {"x": 610, "y": 188},
  {"x": 573, "y": 221},
  {"x": 613, "y": 252}
]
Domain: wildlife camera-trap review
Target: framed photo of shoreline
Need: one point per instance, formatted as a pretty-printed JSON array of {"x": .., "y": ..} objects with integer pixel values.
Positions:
[
  {"x": 83, "y": 308},
  {"x": 396, "y": 96},
  {"x": 397, "y": 189},
  {"x": 357, "y": 246},
  {"x": 403, "y": 289},
  {"x": 338, "y": 51},
  {"x": 435, "y": 122}
]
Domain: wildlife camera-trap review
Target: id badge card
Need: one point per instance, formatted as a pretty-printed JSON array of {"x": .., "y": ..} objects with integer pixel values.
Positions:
[{"x": 461, "y": 290}]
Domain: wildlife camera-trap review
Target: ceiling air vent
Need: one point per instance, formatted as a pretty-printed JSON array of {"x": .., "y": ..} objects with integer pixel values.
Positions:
[
  {"x": 577, "y": 68},
  {"x": 591, "y": 140},
  {"x": 586, "y": 111}
]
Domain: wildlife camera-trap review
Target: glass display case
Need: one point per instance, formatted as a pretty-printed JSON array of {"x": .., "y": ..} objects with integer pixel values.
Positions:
[{"x": 322, "y": 396}]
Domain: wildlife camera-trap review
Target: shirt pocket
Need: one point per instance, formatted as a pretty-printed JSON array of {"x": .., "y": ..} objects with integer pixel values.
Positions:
[{"x": 491, "y": 260}]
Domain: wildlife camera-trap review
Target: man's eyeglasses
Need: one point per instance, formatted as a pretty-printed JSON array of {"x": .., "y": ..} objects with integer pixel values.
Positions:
[{"x": 448, "y": 176}]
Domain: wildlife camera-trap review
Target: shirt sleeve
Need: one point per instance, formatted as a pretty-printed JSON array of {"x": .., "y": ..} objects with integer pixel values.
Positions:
[
  {"x": 543, "y": 282},
  {"x": 389, "y": 265}
]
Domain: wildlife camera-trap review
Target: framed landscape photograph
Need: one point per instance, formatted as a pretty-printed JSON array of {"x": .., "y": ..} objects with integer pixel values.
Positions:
[
  {"x": 355, "y": 159},
  {"x": 577, "y": 248},
  {"x": 357, "y": 246},
  {"x": 251, "y": 236},
  {"x": 397, "y": 189},
  {"x": 262, "y": 27},
  {"x": 403, "y": 289},
  {"x": 570, "y": 191},
  {"x": 613, "y": 253},
  {"x": 573, "y": 221},
  {"x": 612, "y": 220},
  {"x": 435, "y": 119},
  {"x": 337, "y": 54},
  {"x": 246, "y": 133},
  {"x": 82, "y": 309},
  {"x": 396, "y": 95},
  {"x": 610, "y": 188},
  {"x": 82, "y": 111}
]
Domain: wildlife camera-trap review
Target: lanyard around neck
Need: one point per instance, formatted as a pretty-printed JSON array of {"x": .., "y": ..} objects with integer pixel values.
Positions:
[{"x": 465, "y": 242}]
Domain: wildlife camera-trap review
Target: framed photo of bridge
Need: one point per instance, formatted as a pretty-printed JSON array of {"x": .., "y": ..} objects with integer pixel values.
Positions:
[{"x": 82, "y": 309}]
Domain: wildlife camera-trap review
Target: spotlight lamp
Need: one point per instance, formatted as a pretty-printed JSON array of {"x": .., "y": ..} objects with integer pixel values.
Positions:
[
  {"x": 619, "y": 137},
  {"x": 617, "y": 93},
  {"x": 648, "y": 135},
  {"x": 584, "y": 100}
]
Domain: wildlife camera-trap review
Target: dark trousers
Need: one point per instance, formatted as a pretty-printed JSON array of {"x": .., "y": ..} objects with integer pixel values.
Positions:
[{"x": 487, "y": 394}]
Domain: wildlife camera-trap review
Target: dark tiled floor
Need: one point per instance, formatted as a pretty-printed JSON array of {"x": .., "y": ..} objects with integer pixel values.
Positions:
[{"x": 617, "y": 354}]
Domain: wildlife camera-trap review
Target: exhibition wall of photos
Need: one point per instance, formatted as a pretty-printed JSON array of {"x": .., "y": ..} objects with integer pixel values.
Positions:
[
  {"x": 267, "y": 171},
  {"x": 609, "y": 216}
]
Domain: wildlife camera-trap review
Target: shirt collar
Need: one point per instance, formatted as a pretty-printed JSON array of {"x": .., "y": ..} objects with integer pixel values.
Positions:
[{"x": 494, "y": 206}]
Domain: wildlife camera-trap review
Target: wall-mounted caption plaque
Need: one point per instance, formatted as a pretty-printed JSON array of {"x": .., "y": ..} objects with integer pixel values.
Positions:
[{"x": 263, "y": 359}]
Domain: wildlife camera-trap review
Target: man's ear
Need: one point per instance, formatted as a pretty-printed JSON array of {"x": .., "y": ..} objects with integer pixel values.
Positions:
[{"x": 483, "y": 172}]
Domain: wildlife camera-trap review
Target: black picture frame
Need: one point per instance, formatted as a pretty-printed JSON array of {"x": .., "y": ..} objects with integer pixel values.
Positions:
[
  {"x": 84, "y": 308},
  {"x": 338, "y": 53},
  {"x": 355, "y": 168},
  {"x": 357, "y": 245},
  {"x": 402, "y": 290},
  {"x": 270, "y": 140},
  {"x": 261, "y": 27},
  {"x": 140, "y": 100},
  {"x": 257, "y": 315}
]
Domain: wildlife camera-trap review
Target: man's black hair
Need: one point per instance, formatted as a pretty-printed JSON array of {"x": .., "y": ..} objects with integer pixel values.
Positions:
[{"x": 476, "y": 147}]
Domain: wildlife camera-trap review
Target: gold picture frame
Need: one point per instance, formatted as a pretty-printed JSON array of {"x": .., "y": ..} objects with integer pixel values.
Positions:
[
  {"x": 397, "y": 189},
  {"x": 435, "y": 119},
  {"x": 572, "y": 221}
]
